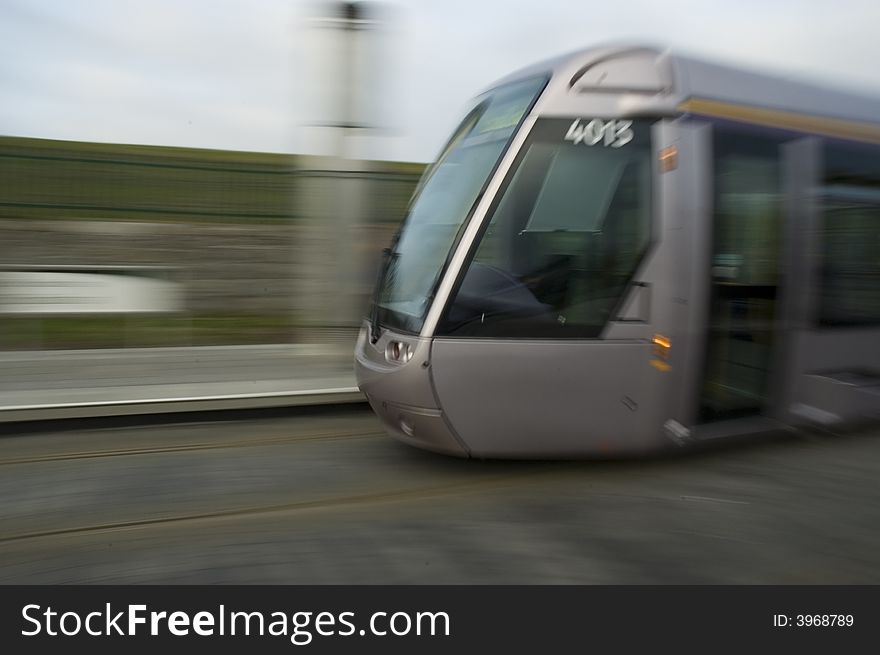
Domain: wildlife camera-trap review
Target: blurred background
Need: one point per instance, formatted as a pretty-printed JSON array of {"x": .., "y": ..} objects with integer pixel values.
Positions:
[{"x": 221, "y": 172}]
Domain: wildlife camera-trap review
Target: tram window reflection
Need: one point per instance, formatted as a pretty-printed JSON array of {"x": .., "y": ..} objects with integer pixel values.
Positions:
[{"x": 849, "y": 258}]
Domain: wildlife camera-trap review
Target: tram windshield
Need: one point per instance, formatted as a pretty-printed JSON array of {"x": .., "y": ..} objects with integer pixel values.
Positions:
[
  {"x": 445, "y": 198},
  {"x": 565, "y": 236}
]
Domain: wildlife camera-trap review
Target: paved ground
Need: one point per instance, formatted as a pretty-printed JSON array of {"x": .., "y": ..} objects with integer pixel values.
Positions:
[
  {"x": 326, "y": 498},
  {"x": 41, "y": 384}
]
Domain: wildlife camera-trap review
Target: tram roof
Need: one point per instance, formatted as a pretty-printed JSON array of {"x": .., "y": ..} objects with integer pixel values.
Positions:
[{"x": 665, "y": 78}]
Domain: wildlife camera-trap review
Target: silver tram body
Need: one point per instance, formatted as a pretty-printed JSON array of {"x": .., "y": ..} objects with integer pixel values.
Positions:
[{"x": 623, "y": 249}]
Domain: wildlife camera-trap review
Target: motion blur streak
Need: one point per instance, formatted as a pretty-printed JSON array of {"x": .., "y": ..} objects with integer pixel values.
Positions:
[{"x": 107, "y": 246}]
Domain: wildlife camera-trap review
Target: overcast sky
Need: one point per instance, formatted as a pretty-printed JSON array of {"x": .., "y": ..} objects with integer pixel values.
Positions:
[{"x": 239, "y": 74}]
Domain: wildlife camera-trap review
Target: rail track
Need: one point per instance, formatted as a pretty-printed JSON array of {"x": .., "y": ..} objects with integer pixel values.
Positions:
[
  {"x": 182, "y": 448},
  {"x": 409, "y": 494}
]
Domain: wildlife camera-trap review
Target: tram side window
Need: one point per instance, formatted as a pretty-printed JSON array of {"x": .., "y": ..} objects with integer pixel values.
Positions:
[
  {"x": 563, "y": 242},
  {"x": 849, "y": 236},
  {"x": 747, "y": 210}
]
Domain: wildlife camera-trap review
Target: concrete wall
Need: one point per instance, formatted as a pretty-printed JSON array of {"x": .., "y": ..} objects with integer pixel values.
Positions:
[{"x": 246, "y": 234}]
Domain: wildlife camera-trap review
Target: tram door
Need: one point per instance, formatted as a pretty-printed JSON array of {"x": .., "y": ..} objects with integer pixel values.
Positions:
[{"x": 747, "y": 220}]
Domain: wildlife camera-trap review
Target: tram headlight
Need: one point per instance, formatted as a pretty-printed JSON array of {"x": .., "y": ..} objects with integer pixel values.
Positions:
[{"x": 398, "y": 352}]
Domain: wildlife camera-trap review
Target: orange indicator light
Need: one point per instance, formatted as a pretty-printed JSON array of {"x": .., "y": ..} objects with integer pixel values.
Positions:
[{"x": 668, "y": 159}]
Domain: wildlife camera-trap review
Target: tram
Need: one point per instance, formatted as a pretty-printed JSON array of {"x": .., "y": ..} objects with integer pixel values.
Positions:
[{"x": 622, "y": 250}]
